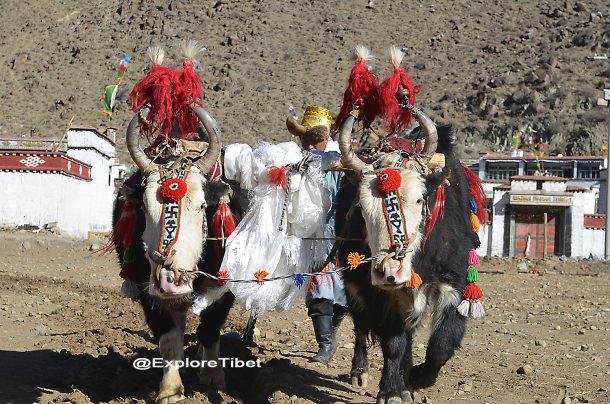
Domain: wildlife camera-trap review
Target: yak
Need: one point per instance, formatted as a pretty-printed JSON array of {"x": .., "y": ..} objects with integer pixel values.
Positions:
[
  {"x": 385, "y": 298},
  {"x": 168, "y": 241}
]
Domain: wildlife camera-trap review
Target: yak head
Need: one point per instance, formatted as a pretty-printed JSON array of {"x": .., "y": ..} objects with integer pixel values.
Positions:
[
  {"x": 392, "y": 200},
  {"x": 174, "y": 207}
]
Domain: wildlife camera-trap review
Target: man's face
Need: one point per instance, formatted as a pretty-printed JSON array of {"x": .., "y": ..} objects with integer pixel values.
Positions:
[{"x": 310, "y": 145}]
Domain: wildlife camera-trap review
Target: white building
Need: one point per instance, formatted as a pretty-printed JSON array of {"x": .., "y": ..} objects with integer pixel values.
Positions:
[
  {"x": 68, "y": 184},
  {"x": 539, "y": 215}
]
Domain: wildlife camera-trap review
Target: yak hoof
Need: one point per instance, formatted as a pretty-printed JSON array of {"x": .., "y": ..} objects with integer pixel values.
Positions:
[
  {"x": 170, "y": 396},
  {"x": 214, "y": 378},
  {"x": 406, "y": 396},
  {"x": 361, "y": 380},
  {"x": 389, "y": 400}
]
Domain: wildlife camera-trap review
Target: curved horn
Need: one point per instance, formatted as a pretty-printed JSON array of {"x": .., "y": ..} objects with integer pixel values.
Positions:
[
  {"x": 295, "y": 128},
  {"x": 139, "y": 157},
  {"x": 348, "y": 157},
  {"x": 429, "y": 128},
  {"x": 206, "y": 162}
]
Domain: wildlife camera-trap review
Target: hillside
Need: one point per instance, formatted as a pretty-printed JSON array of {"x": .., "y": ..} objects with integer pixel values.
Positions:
[{"x": 488, "y": 67}]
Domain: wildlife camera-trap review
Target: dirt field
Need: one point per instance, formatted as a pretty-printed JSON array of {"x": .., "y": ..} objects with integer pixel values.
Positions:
[{"x": 67, "y": 335}]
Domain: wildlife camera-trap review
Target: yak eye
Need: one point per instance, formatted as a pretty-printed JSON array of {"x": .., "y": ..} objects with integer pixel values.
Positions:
[{"x": 420, "y": 201}]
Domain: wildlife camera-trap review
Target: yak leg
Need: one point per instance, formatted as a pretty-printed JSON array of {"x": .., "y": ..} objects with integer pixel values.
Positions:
[
  {"x": 168, "y": 330},
  {"x": 208, "y": 334},
  {"x": 171, "y": 346},
  {"x": 360, "y": 361},
  {"x": 446, "y": 337},
  {"x": 407, "y": 364},
  {"x": 391, "y": 384}
]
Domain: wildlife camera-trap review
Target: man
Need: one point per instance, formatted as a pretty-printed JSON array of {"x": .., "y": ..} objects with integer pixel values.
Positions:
[{"x": 325, "y": 300}]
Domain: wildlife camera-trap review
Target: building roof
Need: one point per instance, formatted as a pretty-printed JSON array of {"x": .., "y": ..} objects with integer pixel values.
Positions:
[
  {"x": 44, "y": 162},
  {"x": 538, "y": 178},
  {"x": 506, "y": 157}
]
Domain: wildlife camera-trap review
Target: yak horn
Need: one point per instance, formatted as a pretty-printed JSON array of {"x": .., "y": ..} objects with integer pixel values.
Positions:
[
  {"x": 295, "y": 128},
  {"x": 138, "y": 156},
  {"x": 429, "y": 128},
  {"x": 207, "y": 161},
  {"x": 348, "y": 157}
]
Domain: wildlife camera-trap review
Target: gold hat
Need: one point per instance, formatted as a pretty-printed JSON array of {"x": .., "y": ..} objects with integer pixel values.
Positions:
[{"x": 317, "y": 116}]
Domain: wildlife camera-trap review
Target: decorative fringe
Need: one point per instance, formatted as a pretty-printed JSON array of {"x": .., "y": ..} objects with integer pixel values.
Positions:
[
  {"x": 415, "y": 281},
  {"x": 130, "y": 289},
  {"x": 362, "y": 90},
  {"x": 396, "y": 119},
  {"x": 477, "y": 193},
  {"x": 437, "y": 212},
  {"x": 471, "y": 306},
  {"x": 278, "y": 176}
]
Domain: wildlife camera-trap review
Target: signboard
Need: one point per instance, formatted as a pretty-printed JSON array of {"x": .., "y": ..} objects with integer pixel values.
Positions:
[{"x": 538, "y": 199}]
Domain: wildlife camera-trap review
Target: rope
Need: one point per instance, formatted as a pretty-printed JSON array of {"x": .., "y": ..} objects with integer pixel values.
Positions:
[{"x": 274, "y": 278}]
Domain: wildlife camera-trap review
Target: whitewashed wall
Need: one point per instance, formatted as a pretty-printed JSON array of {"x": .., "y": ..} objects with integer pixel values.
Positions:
[
  {"x": 594, "y": 243},
  {"x": 501, "y": 199}
]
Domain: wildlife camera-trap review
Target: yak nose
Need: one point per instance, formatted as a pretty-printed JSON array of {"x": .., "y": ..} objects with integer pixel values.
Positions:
[{"x": 391, "y": 279}]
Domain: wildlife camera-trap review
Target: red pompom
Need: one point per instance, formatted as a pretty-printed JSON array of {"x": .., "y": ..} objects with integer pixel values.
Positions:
[
  {"x": 388, "y": 180},
  {"x": 473, "y": 292},
  {"x": 222, "y": 275},
  {"x": 173, "y": 190},
  {"x": 277, "y": 176},
  {"x": 396, "y": 119}
]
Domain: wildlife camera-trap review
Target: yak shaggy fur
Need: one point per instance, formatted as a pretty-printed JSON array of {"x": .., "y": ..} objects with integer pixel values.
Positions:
[{"x": 392, "y": 315}]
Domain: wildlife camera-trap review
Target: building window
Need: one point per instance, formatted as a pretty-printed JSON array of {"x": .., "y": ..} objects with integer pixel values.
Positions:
[
  {"x": 588, "y": 172},
  {"x": 501, "y": 172},
  {"x": 556, "y": 171}
]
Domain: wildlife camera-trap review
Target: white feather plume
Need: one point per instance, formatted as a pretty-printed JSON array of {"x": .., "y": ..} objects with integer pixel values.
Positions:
[
  {"x": 362, "y": 52},
  {"x": 396, "y": 55},
  {"x": 156, "y": 54},
  {"x": 191, "y": 48}
]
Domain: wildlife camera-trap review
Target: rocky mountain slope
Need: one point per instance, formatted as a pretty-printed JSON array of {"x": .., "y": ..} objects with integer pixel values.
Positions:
[{"x": 488, "y": 67}]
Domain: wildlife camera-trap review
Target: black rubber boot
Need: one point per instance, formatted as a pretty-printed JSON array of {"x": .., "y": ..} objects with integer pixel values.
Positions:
[
  {"x": 339, "y": 313},
  {"x": 323, "y": 328}
]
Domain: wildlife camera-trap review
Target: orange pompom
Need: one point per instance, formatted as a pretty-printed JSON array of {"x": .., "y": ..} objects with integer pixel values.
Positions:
[
  {"x": 415, "y": 281},
  {"x": 472, "y": 291},
  {"x": 354, "y": 260},
  {"x": 260, "y": 276}
]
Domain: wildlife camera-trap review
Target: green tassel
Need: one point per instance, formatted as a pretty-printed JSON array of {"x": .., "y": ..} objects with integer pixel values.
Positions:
[
  {"x": 473, "y": 274},
  {"x": 129, "y": 256}
]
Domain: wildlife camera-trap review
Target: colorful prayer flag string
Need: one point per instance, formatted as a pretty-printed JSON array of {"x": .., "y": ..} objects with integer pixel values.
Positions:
[{"x": 111, "y": 90}]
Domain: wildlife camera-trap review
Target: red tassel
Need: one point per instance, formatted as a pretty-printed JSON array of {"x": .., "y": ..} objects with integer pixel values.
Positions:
[
  {"x": 189, "y": 92},
  {"x": 277, "y": 176},
  {"x": 478, "y": 194},
  {"x": 396, "y": 119},
  {"x": 362, "y": 90},
  {"x": 437, "y": 213},
  {"x": 224, "y": 223}
]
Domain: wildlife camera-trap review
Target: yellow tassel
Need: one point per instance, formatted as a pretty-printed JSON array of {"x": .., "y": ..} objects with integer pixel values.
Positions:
[{"x": 474, "y": 220}]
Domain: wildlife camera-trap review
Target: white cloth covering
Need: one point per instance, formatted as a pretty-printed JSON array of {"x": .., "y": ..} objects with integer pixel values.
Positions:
[{"x": 259, "y": 242}]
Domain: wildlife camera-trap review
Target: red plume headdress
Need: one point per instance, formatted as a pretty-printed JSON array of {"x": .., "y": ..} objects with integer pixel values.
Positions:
[
  {"x": 396, "y": 119},
  {"x": 362, "y": 90}
]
